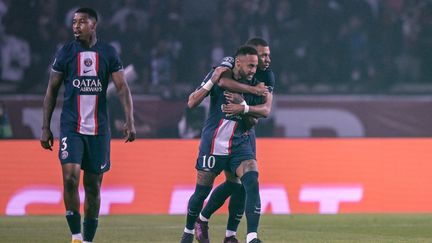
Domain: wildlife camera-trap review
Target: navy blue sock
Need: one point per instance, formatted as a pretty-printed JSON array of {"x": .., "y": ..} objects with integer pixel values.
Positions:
[
  {"x": 253, "y": 201},
  {"x": 195, "y": 204},
  {"x": 90, "y": 226},
  {"x": 218, "y": 197},
  {"x": 236, "y": 208},
  {"x": 74, "y": 221}
]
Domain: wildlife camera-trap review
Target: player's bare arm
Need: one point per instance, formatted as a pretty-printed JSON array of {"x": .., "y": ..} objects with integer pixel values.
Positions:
[
  {"x": 125, "y": 96},
  {"x": 266, "y": 107},
  {"x": 198, "y": 95},
  {"x": 262, "y": 110},
  {"x": 236, "y": 98},
  {"x": 226, "y": 82},
  {"x": 54, "y": 84},
  {"x": 236, "y": 107}
]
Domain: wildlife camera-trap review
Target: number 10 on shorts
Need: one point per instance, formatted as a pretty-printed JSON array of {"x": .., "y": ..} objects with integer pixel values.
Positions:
[{"x": 210, "y": 162}]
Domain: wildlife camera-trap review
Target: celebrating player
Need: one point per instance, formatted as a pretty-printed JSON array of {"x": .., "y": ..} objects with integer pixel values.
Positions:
[
  {"x": 225, "y": 143},
  {"x": 231, "y": 187}
]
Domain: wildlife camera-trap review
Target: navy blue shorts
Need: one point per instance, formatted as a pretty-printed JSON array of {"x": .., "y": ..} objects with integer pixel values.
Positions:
[
  {"x": 213, "y": 163},
  {"x": 252, "y": 139},
  {"x": 92, "y": 152},
  {"x": 242, "y": 152},
  {"x": 218, "y": 163}
]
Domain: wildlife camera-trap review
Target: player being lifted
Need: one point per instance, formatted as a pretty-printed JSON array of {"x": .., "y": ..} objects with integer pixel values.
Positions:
[
  {"x": 84, "y": 66},
  {"x": 223, "y": 191},
  {"x": 225, "y": 144},
  {"x": 231, "y": 187}
]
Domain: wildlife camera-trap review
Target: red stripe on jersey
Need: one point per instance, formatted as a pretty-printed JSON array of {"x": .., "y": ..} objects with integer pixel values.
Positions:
[
  {"x": 79, "y": 64},
  {"x": 79, "y": 114},
  {"x": 231, "y": 138},
  {"x": 96, "y": 115},
  {"x": 214, "y": 136}
]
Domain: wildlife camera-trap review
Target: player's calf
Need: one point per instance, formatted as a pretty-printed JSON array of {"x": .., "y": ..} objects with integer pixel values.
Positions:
[
  {"x": 195, "y": 205},
  {"x": 253, "y": 204}
]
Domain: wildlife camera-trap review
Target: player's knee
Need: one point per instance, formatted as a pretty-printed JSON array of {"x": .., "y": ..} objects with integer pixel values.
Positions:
[
  {"x": 249, "y": 165},
  {"x": 232, "y": 178},
  {"x": 206, "y": 178},
  {"x": 70, "y": 182}
]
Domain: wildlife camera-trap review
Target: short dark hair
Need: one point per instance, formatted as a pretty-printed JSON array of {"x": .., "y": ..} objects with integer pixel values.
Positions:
[
  {"x": 246, "y": 50},
  {"x": 89, "y": 11},
  {"x": 256, "y": 41}
]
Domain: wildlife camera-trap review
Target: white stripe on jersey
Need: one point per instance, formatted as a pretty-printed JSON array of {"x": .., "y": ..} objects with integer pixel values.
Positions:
[
  {"x": 221, "y": 144},
  {"x": 87, "y": 108},
  {"x": 88, "y": 63}
]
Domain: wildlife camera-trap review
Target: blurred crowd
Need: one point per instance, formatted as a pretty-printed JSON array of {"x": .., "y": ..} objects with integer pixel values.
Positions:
[{"x": 334, "y": 46}]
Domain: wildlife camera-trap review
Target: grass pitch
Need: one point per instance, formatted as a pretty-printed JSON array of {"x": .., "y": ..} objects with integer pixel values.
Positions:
[{"x": 273, "y": 228}]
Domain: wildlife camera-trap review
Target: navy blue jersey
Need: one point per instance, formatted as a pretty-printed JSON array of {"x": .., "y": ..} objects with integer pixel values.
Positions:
[
  {"x": 86, "y": 72},
  {"x": 221, "y": 132},
  {"x": 267, "y": 76}
]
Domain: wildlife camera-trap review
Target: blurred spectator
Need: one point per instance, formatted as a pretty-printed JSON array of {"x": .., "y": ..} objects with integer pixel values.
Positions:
[
  {"x": 191, "y": 123},
  {"x": 15, "y": 59},
  {"x": 355, "y": 36},
  {"x": 162, "y": 76},
  {"x": 130, "y": 9},
  {"x": 425, "y": 43},
  {"x": 316, "y": 43},
  {"x": 5, "y": 126},
  {"x": 117, "y": 119},
  {"x": 3, "y": 10}
]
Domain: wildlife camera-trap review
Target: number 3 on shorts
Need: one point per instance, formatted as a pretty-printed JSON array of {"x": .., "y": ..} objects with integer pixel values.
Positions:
[
  {"x": 63, "y": 144},
  {"x": 210, "y": 163}
]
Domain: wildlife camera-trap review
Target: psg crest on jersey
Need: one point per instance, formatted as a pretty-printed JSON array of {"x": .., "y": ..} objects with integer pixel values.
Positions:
[
  {"x": 88, "y": 62},
  {"x": 64, "y": 154}
]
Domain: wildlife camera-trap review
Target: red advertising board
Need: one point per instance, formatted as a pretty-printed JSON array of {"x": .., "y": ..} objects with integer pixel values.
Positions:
[{"x": 296, "y": 176}]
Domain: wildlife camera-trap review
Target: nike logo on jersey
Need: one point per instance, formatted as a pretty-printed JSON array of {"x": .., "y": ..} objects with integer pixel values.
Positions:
[
  {"x": 104, "y": 165},
  {"x": 86, "y": 71}
]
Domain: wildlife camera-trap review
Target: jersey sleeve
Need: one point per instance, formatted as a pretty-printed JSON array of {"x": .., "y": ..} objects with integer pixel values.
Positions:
[
  {"x": 227, "y": 62},
  {"x": 115, "y": 64},
  {"x": 270, "y": 81},
  {"x": 59, "y": 64},
  {"x": 207, "y": 78}
]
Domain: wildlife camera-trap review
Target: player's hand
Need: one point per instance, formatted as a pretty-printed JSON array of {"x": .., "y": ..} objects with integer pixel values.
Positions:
[
  {"x": 232, "y": 109},
  {"x": 235, "y": 98},
  {"x": 260, "y": 89},
  {"x": 47, "y": 139},
  {"x": 217, "y": 73},
  {"x": 129, "y": 132}
]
